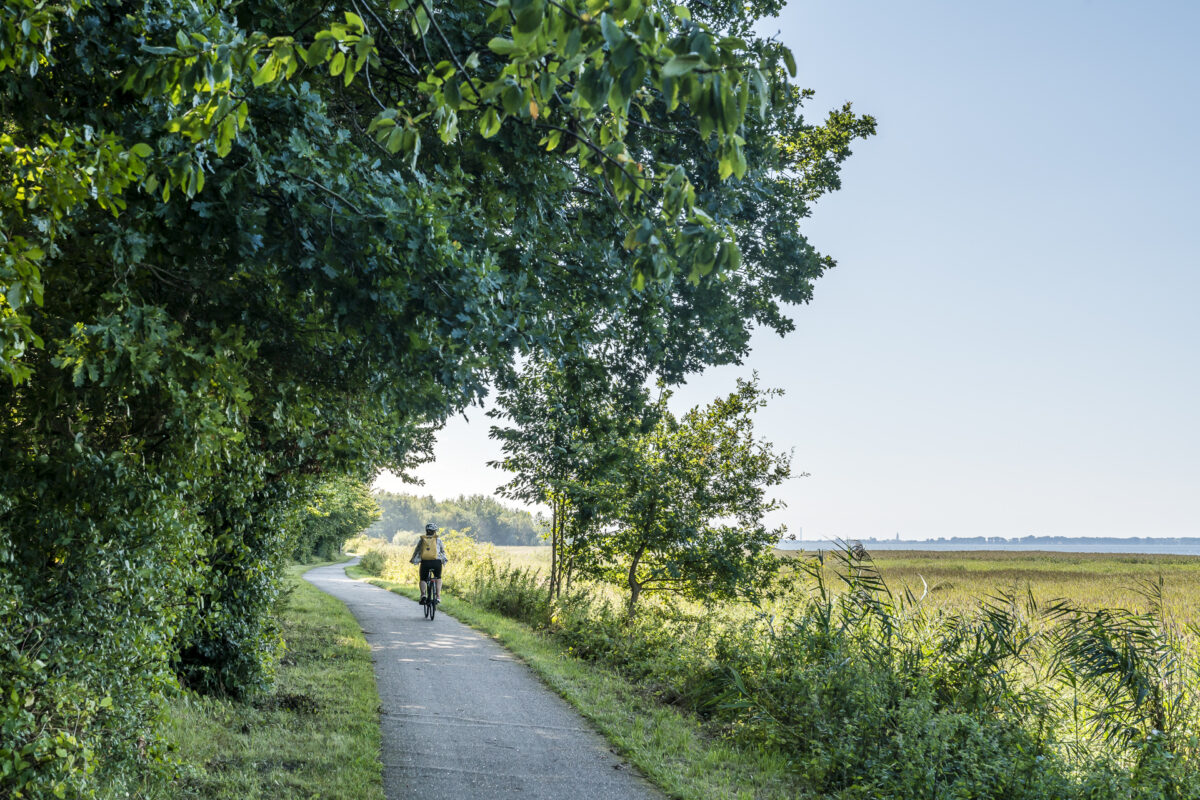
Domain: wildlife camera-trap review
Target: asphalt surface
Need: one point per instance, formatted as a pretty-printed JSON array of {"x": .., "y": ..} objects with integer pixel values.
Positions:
[{"x": 463, "y": 719}]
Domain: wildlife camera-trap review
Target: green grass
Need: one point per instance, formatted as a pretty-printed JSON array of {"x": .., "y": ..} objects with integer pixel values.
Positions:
[
  {"x": 316, "y": 736},
  {"x": 671, "y": 748}
]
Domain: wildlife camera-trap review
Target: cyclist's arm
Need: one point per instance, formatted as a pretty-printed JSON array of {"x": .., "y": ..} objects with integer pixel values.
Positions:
[
  {"x": 416, "y": 556},
  {"x": 442, "y": 552}
]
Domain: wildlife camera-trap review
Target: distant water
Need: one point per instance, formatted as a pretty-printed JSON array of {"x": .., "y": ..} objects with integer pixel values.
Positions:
[{"x": 1125, "y": 547}]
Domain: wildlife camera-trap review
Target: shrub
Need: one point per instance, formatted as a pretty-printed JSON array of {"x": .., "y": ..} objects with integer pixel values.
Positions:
[
  {"x": 372, "y": 562},
  {"x": 88, "y": 607}
]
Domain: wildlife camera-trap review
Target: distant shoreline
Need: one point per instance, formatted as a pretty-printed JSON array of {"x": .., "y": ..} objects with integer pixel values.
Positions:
[{"x": 1178, "y": 546}]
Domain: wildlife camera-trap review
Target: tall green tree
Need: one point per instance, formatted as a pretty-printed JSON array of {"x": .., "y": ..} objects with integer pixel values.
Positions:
[
  {"x": 566, "y": 442},
  {"x": 692, "y": 502}
]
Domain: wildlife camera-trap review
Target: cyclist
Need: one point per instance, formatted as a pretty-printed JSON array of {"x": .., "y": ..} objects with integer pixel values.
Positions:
[{"x": 430, "y": 554}]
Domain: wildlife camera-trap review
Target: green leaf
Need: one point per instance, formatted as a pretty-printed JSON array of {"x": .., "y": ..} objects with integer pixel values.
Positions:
[
  {"x": 733, "y": 254},
  {"x": 267, "y": 72},
  {"x": 725, "y": 167},
  {"x": 681, "y": 65},
  {"x": 451, "y": 95},
  {"x": 760, "y": 88},
  {"x": 574, "y": 41},
  {"x": 530, "y": 19},
  {"x": 318, "y": 52},
  {"x": 337, "y": 64},
  {"x": 613, "y": 35},
  {"x": 395, "y": 139},
  {"x": 489, "y": 124},
  {"x": 420, "y": 21},
  {"x": 790, "y": 61},
  {"x": 504, "y": 47},
  {"x": 728, "y": 106},
  {"x": 739, "y": 162},
  {"x": 142, "y": 150}
]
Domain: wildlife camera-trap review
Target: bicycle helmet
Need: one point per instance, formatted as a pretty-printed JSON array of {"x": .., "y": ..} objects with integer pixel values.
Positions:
[{"x": 431, "y": 528}]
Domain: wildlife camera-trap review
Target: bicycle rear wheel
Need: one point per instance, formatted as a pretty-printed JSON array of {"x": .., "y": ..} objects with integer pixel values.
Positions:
[
  {"x": 426, "y": 606},
  {"x": 431, "y": 606}
]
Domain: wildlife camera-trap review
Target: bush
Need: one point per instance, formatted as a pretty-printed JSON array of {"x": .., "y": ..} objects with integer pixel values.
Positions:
[
  {"x": 231, "y": 643},
  {"x": 513, "y": 591},
  {"x": 372, "y": 562},
  {"x": 88, "y": 607}
]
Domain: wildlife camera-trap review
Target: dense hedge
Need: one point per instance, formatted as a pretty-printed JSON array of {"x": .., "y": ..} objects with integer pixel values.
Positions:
[
  {"x": 124, "y": 591},
  {"x": 93, "y": 586}
]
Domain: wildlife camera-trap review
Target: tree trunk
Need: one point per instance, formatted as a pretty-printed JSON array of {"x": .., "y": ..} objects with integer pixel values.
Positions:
[
  {"x": 570, "y": 569},
  {"x": 555, "y": 546},
  {"x": 635, "y": 588}
]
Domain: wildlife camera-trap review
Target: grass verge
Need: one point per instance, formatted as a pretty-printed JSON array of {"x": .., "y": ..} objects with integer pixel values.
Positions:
[
  {"x": 671, "y": 748},
  {"x": 316, "y": 735}
]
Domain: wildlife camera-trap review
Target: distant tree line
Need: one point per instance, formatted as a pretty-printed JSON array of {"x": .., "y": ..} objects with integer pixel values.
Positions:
[{"x": 487, "y": 519}]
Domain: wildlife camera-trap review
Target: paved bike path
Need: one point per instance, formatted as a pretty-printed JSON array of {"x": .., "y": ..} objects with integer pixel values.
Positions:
[{"x": 463, "y": 719}]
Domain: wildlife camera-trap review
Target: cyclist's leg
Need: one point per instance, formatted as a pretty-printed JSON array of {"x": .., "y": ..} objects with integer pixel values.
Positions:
[
  {"x": 437, "y": 579},
  {"x": 423, "y": 575}
]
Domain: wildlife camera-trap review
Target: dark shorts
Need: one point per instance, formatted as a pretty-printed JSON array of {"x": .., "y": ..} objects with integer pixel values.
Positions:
[{"x": 433, "y": 566}]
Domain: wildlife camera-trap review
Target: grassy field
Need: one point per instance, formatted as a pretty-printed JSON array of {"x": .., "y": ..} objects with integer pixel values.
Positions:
[
  {"x": 316, "y": 735},
  {"x": 958, "y": 580},
  {"x": 525, "y": 556}
]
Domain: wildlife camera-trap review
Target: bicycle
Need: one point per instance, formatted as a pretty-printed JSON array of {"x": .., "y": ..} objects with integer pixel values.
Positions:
[{"x": 431, "y": 599}]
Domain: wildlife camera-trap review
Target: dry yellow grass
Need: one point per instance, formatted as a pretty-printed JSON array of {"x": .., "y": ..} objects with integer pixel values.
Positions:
[
  {"x": 537, "y": 556},
  {"x": 959, "y": 580}
]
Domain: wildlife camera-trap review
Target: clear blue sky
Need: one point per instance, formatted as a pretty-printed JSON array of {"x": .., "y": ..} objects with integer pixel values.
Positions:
[{"x": 1008, "y": 345}]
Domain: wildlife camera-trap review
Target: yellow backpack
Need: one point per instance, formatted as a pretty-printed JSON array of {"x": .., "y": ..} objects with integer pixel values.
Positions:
[{"x": 429, "y": 548}]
